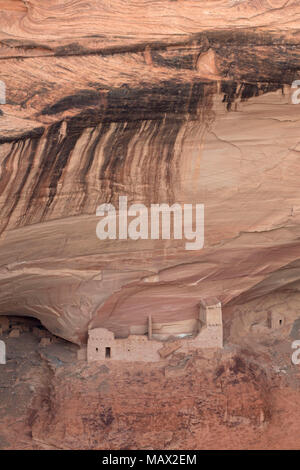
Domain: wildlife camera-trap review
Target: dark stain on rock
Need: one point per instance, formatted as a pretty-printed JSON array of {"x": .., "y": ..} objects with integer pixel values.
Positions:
[
  {"x": 243, "y": 55},
  {"x": 165, "y": 106},
  {"x": 64, "y": 153},
  {"x": 131, "y": 104},
  {"x": 30, "y": 134},
  {"x": 239, "y": 366},
  {"x": 33, "y": 146},
  {"x": 116, "y": 148},
  {"x": 220, "y": 371},
  {"x": 54, "y": 159},
  {"x": 107, "y": 417},
  {"x": 229, "y": 90},
  {"x": 180, "y": 61},
  {"x": 234, "y": 91},
  {"x": 81, "y": 99},
  {"x": 91, "y": 153},
  {"x": 71, "y": 49}
]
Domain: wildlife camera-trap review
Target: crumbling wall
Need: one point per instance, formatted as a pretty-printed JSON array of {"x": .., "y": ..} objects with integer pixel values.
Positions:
[
  {"x": 133, "y": 348},
  {"x": 102, "y": 344},
  {"x": 209, "y": 337},
  {"x": 211, "y": 326},
  {"x": 275, "y": 320}
]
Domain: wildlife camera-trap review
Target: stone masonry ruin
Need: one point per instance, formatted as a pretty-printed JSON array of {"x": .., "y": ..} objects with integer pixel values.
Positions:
[{"x": 102, "y": 344}]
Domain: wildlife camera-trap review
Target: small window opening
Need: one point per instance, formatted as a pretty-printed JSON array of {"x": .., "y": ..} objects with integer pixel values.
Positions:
[
  {"x": 280, "y": 322},
  {"x": 107, "y": 353},
  {"x": 97, "y": 349}
]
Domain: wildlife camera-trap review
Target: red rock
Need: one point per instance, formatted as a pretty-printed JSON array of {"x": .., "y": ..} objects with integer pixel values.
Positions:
[
  {"x": 169, "y": 348},
  {"x": 176, "y": 102},
  {"x": 14, "y": 333},
  {"x": 45, "y": 342}
]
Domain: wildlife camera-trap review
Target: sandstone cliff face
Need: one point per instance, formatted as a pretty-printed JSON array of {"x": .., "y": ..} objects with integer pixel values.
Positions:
[
  {"x": 237, "y": 398},
  {"x": 174, "y": 101}
]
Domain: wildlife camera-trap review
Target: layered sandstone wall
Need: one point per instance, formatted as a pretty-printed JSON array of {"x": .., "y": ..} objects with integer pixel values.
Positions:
[{"x": 186, "y": 102}]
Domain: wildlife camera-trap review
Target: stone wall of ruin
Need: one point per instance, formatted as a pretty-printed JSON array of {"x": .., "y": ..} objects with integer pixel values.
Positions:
[
  {"x": 133, "y": 348},
  {"x": 139, "y": 348}
]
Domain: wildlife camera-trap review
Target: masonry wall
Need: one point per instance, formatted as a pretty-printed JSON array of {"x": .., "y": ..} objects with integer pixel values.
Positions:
[
  {"x": 139, "y": 348},
  {"x": 102, "y": 344},
  {"x": 209, "y": 337},
  {"x": 131, "y": 349},
  {"x": 210, "y": 312},
  {"x": 275, "y": 320}
]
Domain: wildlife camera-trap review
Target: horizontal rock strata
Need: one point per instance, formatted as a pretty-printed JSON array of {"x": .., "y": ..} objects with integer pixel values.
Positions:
[{"x": 174, "y": 101}]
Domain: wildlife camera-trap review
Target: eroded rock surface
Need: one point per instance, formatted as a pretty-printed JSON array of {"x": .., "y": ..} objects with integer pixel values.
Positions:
[
  {"x": 183, "y": 101},
  {"x": 243, "y": 397}
]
